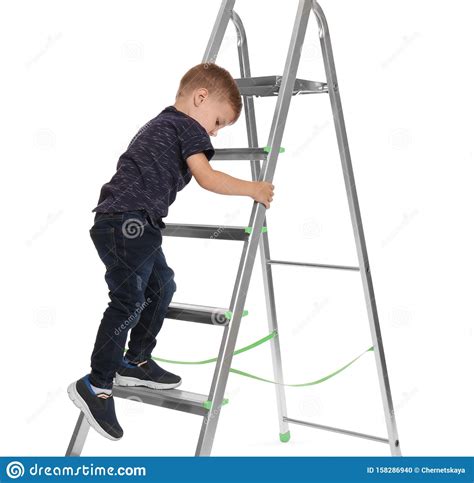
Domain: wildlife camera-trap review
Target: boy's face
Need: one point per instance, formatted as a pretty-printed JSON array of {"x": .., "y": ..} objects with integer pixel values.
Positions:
[{"x": 211, "y": 113}]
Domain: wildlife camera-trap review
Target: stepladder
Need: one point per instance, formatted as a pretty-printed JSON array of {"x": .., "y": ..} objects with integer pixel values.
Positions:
[{"x": 263, "y": 161}]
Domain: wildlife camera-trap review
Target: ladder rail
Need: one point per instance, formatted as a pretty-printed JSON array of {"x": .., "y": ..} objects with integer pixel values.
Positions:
[
  {"x": 252, "y": 136},
  {"x": 343, "y": 145},
  {"x": 248, "y": 107},
  {"x": 218, "y": 31},
  {"x": 79, "y": 436},
  {"x": 257, "y": 217}
]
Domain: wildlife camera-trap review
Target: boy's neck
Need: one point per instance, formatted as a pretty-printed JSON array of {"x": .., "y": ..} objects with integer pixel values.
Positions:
[{"x": 180, "y": 107}]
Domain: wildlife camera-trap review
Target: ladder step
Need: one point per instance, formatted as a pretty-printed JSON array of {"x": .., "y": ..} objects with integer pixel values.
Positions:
[
  {"x": 219, "y": 232},
  {"x": 185, "y": 401},
  {"x": 202, "y": 314},
  {"x": 233, "y": 154},
  {"x": 270, "y": 86}
]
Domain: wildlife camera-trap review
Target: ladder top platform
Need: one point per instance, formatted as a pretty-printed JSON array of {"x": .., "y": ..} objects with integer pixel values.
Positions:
[{"x": 270, "y": 86}]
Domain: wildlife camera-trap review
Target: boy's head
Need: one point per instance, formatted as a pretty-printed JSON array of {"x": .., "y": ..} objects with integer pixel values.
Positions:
[{"x": 209, "y": 94}]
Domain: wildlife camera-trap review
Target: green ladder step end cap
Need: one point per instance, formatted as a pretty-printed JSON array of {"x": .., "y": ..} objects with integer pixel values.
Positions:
[
  {"x": 267, "y": 149},
  {"x": 248, "y": 229},
  {"x": 207, "y": 404},
  {"x": 228, "y": 314},
  {"x": 285, "y": 437}
]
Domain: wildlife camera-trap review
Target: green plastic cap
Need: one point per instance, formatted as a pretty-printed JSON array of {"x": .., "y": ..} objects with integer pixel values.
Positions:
[{"x": 285, "y": 437}]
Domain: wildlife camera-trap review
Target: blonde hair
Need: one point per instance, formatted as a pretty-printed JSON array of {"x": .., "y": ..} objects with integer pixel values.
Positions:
[{"x": 217, "y": 80}]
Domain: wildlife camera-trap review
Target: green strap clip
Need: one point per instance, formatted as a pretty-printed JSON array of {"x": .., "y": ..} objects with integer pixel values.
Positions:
[
  {"x": 267, "y": 149},
  {"x": 248, "y": 229},
  {"x": 228, "y": 314},
  {"x": 207, "y": 404}
]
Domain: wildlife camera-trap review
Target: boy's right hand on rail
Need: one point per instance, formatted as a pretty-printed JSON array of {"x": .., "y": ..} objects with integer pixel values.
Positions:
[{"x": 263, "y": 192}]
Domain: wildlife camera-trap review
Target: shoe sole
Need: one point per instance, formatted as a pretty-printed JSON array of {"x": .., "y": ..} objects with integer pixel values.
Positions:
[
  {"x": 133, "y": 381},
  {"x": 75, "y": 397}
]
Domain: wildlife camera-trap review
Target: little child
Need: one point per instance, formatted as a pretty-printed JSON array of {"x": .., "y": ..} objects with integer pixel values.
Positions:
[{"x": 159, "y": 161}]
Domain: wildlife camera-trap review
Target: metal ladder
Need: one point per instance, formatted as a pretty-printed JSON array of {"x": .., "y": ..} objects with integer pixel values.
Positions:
[{"x": 255, "y": 235}]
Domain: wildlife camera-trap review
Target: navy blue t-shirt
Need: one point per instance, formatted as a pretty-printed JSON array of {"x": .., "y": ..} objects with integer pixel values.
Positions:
[{"x": 153, "y": 168}]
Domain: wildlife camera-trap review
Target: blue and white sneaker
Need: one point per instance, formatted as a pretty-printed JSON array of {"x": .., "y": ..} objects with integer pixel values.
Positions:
[
  {"x": 146, "y": 373},
  {"x": 99, "y": 409}
]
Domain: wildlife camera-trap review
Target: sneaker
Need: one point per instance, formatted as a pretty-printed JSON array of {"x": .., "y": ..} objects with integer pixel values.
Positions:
[
  {"x": 99, "y": 409},
  {"x": 147, "y": 373}
]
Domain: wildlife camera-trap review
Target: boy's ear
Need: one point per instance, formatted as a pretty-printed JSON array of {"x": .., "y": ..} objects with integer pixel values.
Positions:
[{"x": 202, "y": 94}]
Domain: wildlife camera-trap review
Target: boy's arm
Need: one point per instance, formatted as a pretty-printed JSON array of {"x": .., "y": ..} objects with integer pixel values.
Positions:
[{"x": 224, "y": 184}]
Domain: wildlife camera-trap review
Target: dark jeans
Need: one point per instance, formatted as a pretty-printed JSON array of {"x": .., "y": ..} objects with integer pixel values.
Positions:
[{"x": 141, "y": 286}]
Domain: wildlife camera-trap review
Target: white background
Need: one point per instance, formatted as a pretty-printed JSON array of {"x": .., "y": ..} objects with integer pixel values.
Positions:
[{"x": 78, "y": 81}]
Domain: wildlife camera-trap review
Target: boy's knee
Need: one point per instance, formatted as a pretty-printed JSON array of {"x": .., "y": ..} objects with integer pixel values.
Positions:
[{"x": 170, "y": 285}]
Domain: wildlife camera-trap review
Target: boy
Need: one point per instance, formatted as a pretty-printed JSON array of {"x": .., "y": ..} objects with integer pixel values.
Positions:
[{"x": 159, "y": 161}]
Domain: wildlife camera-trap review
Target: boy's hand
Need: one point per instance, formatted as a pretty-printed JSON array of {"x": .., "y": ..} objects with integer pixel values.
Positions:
[{"x": 263, "y": 192}]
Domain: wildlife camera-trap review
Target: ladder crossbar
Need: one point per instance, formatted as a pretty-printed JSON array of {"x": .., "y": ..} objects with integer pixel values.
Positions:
[
  {"x": 338, "y": 430},
  {"x": 318, "y": 265}
]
